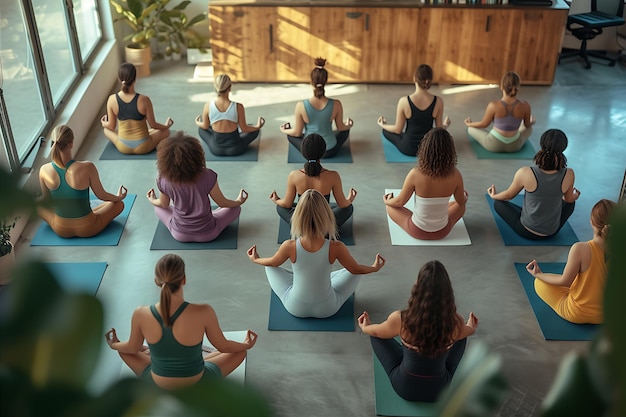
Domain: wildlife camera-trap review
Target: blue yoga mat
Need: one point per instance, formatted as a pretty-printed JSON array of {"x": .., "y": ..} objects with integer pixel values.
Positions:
[
  {"x": 565, "y": 237},
  {"x": 111, "y": 153},
  {"x": 393, "y": 155},
  {"x": 84, "y": 277},
  {"x": 388, "y": 403},
  {"x": 251, "y": 154},
  {"x": 110, "y": 236},
  {"x": 163, "y": 240},
  {"x": 343, "y": 156},
  {"x": 553, "y": 326},
  {"x": 526, "y": 152},
  {"x": 280, "y": 319},
  {"x": 345, "y": 232}
]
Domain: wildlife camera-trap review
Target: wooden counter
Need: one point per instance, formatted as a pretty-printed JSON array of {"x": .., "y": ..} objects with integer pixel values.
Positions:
[{"x": 364, "y": 41}]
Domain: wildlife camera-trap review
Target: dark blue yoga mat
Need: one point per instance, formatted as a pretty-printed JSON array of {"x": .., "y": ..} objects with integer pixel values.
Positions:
[
  {"x": 565, "y": 237},
  {"x": 163, "y": 240},
  {"x": 553, "y": 326},
  {"x": 110, "y": 236},
  {"x": 345, "y": 232},
  {"x": 251, "y": 154},
  {"x": 526, "y": 152},
  {"x": 393, "y": 155},
  {"x": 84, "y": 277},
  {"x": 280, "y": 319},
  {"x": 111, "y": 153},
  {"x": 343, "y": 156}
]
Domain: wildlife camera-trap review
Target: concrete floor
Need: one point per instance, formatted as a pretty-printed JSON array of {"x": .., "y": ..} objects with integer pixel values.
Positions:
[{"x": 330, "y": 374}]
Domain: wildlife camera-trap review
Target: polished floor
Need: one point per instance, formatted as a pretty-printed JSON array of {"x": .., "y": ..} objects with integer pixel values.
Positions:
[{"x": 330, "y": 374}]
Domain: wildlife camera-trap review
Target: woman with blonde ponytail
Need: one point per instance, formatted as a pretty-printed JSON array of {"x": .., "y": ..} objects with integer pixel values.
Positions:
[
  {"x": 577, "y": 294},
  {"x": 174, "y": 330},
  {"x": 316, "y": 115},
  {"x": 66, "y": 182}
]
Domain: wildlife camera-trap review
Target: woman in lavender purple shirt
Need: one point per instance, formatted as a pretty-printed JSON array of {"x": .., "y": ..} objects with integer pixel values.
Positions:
[{"x": 185, "y": 184}]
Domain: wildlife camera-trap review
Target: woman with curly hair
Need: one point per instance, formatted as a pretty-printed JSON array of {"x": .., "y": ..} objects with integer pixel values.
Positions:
[
  {"x": 312, "y": 288},
  {"x": 549, "y": 196},
  {"x": 316, "y": 177},
  {"x": 186, "y": 183},
  {"x": 316, "y": 115},
  {"x": 433, "y": 181},
  {"x": 415, "y": 114},
  {"x": 433, "y": 337}
]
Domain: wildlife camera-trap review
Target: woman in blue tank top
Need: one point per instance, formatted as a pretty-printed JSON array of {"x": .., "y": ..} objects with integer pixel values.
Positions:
[
  {"x": 174, "y": 330},
  {"x": 316, "y": 115}
]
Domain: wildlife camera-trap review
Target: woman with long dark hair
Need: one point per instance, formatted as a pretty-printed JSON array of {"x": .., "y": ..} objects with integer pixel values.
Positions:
[{"x": 433, "y": 337}]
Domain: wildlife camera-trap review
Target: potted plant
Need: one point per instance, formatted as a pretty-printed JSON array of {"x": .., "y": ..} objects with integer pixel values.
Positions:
[
  {"x": 7, "y": 255},
  {"x": 176, "y": 32}
]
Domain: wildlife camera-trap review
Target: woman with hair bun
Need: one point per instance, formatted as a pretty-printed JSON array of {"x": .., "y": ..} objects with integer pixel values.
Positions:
[
  {"x": 316, "y": 115},
  {"x": 131, "y": 111},
  {"x": 512, "y": 119},
  {"x": 549, "y": 196},
  {"x": 67, "y": 182},
  {"x": 222, "y": 124},
  {"x": 174, "y": 330},
  {"x": 186, "y": 184},
  {"x": 415, "y": 114},
  {"x": 577, "y": 294},
  {"x": 312, "y": 288},
  {"x": 433, "y": 337},
  {"x": 316, "y": 177}
]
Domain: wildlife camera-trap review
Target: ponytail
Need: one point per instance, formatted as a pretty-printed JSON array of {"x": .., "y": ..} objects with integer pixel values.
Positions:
[
  {"x": 169, "y": 275},
  {"x": 127, "y": 75},
  {"x": 319, "y": 77},
  {"x": 313, "y": 149},
  {"x": 62, "y": 137}
]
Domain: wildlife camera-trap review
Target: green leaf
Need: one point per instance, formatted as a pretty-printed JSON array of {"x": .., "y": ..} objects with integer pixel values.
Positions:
[
  {"x": 14, "y": 198},
  {"x": 135, "y": 7},
  {"x": 182, "y": 5}
]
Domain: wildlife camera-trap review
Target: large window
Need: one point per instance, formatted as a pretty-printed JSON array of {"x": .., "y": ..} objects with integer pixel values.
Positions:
[{"x": 43, "y": 47}]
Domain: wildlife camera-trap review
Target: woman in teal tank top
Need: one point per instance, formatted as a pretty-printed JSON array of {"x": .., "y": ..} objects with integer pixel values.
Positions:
[
  {"x": 174, "y": 330},
  {"x": 66, "y": 183}
]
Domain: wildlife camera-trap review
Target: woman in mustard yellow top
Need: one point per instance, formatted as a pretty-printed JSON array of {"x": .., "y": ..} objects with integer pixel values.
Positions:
[{"x": 577, "y": 294}]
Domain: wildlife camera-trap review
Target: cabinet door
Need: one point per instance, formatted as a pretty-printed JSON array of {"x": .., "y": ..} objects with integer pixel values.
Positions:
[
  {"x": 258, "y": 43},
  {"x": 292, "y": 40},
  {"x": 225, "y": 25}
]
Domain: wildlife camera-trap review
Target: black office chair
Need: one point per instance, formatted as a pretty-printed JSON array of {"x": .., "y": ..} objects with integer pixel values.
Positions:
[{"x": 586, "y": 26}]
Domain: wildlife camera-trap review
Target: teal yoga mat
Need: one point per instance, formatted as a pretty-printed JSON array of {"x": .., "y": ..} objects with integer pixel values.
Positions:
[
  {"x": 280, "y": 319},
  {"x": 110, "y": 236},
  {"x": 111, "y": 153},
  {"x": 565, "y": 237},
  {"x": 83, "y": 277},
  {"x": 393, "y": 155},
  {"x": 163, "y": 240},
  {"x": 345, "y": 232},
  {"x": 343, "y": 156},
  {"x": 553, "y": 326},
  {"x": 526, "y": 152}
]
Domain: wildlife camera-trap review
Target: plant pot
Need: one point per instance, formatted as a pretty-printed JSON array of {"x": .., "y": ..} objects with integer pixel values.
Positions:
[
  {"x": 6, "y": 264},
  {"x": 140, "y": 57}
]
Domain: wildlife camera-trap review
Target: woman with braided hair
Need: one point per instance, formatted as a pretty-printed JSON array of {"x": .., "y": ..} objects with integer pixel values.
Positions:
[
  {"x": 433, "y": 181},
  {"x": 174, "y": 330},
  {"x": 549, "y": 196},
  {"x": 316, "y": 115},
  {"x": 432, "y": 333}
]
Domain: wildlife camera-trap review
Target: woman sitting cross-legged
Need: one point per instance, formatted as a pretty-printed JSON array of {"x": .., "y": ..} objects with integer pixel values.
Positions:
[
  {"x": 222, "y": 124},
  {"x": 67, "y": 182},
  {"x": 316, "y": 115},
  {"x": 433, "y": 337},
  {"x": 577, "y": 294},
  {"x": 312, "y": 289},
  {"x": 433, "y": 181},
  {"x": 316, "y": 177},
  {"x": 174, "y": 330},
  {"x": 130, "y": 111},
  {"x": 185, "y": 184}
]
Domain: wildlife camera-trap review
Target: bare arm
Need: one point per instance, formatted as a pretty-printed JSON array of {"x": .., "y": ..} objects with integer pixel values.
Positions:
[
  {"x": 572, "y": 268},
  {"x": 290, "y": 193},
  {"x": 408, "y": 188},
  {"x": 298, "y": 127},
  {"x": 469, "y": 328},
  {"x": 339, "y": 251},
  {"x": 109, "y": 120},
  {"x": 400, "y": 118},
  {"x": 45, "y": 191},
  {"x": 490, "y": 113},
  {"x": 337, "y": 188},
  {"x": 217, "y": 196},
  {"x": 215, "y": 335},
  {"x": 149, "y": 112},
  {"x": 162, "y": 201},
  {"x": 338, "y": 117},
  {"x": 243, "y": 125},
  {"x": 96, "y": 185},
  {"x": 516, "y": 186},
  {"x": 203, "y": 120},
  {"x": 385, "y": 330},
  {"x": 460, "y": 195},
  {"x": 135, "y": 341},
  {"x": 571, "y": 193},
  {"x": 438, "y": 115},
  {"x": 529, "y": 120},
  {"x": 287, "y": 250}
]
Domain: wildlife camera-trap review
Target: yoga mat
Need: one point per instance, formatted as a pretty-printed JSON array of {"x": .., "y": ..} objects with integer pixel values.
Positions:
[
  {"x": 458, "y": 236},
  {"x": 280, "y": 319},
  {"x": 83, "y": 277},
  {"x": 526, "y": 152},
  {"x": 251, "y": 153},
  {"x": 163, "y": 240},
  {"x": 345, "y": 232},
  {"x": 553, "y": 326},
  {"x": 111, "y": 153},
  {"x": 565, "y": 237},
  {"x": 344, "y": 155},
  {"x": 110, "y": 236},
  {"x": 388, "y": 403},
  {"x": 393, "y": 155}
]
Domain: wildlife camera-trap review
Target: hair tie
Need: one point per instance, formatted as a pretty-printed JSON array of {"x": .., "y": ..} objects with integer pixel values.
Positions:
[
  {"x": 312, "y": 160},
  {"x": 123, "y": 82},
  {"x": 319, "y": 85},
  {"x": 319, "y": 66},
  {"x": 53, "y": 142}
]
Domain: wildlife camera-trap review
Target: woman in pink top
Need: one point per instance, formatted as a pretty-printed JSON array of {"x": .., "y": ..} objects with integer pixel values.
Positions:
[
  {"x": 433, "y": 181},
  {"x": 508, "y": 133}
]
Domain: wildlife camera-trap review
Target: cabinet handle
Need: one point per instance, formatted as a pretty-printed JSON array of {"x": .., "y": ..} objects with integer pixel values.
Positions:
[
  {"x": 271, "y": 38},
  {"x": 367, "y": 22},
  {"x": 238, "y": 13},
  {"x": 488, "y": 24},
  {"x": 354, "y": 15}
]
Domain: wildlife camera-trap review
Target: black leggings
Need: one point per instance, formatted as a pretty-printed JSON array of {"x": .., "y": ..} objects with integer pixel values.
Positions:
[
  {"x": 405, "y": 144},
  {"x": 341, "y": 135},
  {"x": 341, "y": 214},
  {"x": 414, "y": 387},
  {"x": 227, "y": 144},
  {"x": 511, "y": 214}
]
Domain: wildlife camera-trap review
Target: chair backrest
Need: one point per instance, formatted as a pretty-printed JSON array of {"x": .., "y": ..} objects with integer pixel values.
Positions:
[{"x": 612, "y": 7}]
